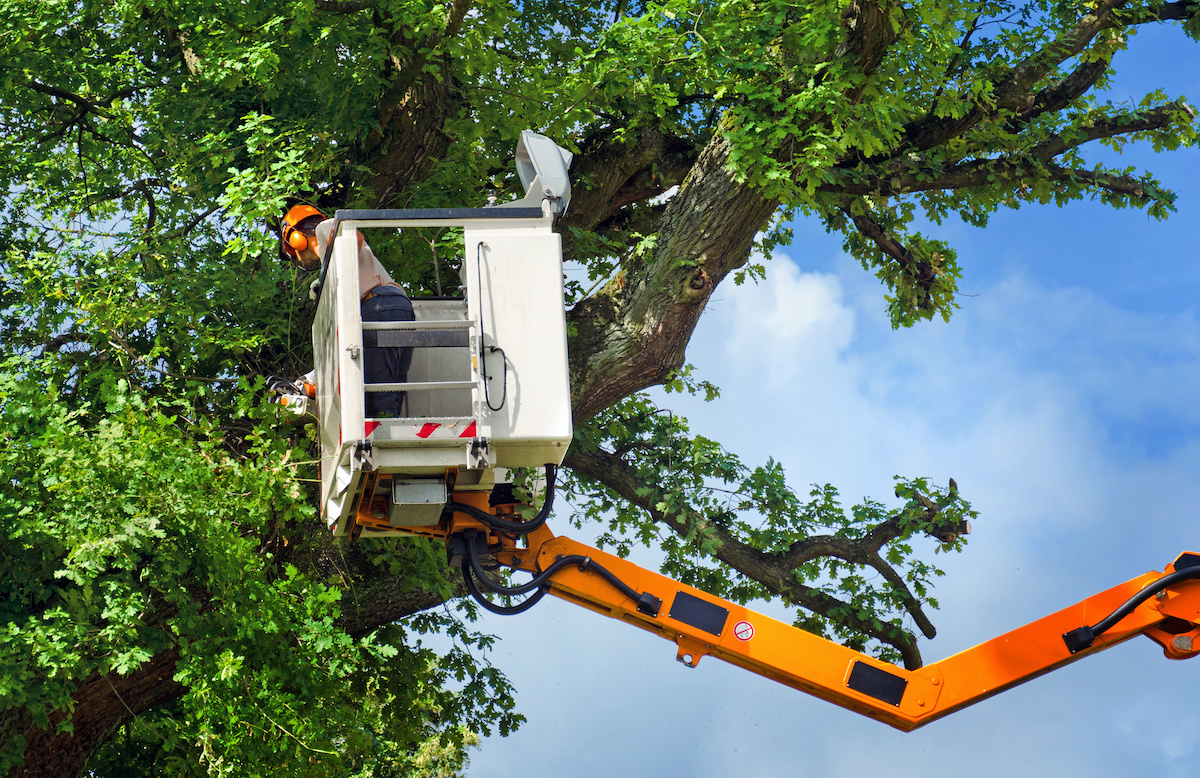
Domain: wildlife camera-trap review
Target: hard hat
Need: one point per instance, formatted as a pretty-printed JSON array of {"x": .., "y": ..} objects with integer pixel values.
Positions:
[{"x": 292, "y": 241}]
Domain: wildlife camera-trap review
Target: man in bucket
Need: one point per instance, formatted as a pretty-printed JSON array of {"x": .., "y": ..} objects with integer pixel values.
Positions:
[{"x": 304, "y": 233}]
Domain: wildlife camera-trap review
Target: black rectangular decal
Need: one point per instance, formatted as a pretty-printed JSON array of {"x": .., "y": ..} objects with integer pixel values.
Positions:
[
  {"x": 880, "y": 684},
  {"x": 1185, "y": 561},
  {"x": 699, "y": 613}
]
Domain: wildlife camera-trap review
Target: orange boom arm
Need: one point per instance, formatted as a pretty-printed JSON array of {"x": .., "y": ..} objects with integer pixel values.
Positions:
[{"x": 1164, "y": 607}]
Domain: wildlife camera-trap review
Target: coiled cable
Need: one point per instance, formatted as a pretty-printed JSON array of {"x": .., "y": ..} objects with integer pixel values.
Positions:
[{"x": 474, "y": 575}]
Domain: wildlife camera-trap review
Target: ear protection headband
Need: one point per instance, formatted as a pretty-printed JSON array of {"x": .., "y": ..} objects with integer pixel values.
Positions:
[{"x": 295, "y": 241}]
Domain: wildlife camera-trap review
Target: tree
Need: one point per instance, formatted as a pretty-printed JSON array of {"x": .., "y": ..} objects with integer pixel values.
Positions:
[{"x": 171, "y": 601}]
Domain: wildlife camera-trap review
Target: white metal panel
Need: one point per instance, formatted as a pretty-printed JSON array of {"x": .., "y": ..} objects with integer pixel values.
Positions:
[
  {"x": 329, "y": 408},
  {"x": 337, "y": 347},
  {"x": 349, "y": 356},
  {"x": 514, "y": 280}
]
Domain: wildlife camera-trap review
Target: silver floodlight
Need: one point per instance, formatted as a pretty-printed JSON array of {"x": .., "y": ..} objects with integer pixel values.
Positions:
[{"x": 542, "y": 166}]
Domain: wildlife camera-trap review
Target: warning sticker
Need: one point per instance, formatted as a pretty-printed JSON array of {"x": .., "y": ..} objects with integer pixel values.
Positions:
[{"x": 743, "y": 631}]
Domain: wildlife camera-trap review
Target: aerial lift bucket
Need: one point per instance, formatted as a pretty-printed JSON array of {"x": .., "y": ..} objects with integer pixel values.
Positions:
[{"x": 488, "y": 387}]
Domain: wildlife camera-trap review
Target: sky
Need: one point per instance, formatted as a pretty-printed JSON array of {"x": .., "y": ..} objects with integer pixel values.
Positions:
[{"x": 1063, "y": 399}]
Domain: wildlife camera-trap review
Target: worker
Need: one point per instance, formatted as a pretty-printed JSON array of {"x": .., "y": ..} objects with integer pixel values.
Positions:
[{"x": 304, "y": 233}]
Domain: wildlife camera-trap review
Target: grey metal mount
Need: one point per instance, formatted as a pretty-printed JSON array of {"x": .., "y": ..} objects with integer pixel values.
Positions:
[{"x": 478, "y": 455}]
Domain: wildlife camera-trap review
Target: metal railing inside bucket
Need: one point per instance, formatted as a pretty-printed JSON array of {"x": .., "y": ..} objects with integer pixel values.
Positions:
[{"x": 441, "y": 376}]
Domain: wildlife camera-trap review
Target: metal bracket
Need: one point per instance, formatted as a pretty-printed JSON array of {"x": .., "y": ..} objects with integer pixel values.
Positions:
[
  {"x": 478, "y": 454},
  {"x": 361, "y": 458}
]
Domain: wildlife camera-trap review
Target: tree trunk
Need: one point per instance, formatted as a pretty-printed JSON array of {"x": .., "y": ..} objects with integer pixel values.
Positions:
[
  {"x": 99, "y": 706},
  {"x": 632, "y": 335}
]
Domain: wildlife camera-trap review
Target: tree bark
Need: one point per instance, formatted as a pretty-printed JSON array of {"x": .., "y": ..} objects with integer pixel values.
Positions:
[
  {"x": 99, "y": 706},
  {"x": 633, "y": 334}
]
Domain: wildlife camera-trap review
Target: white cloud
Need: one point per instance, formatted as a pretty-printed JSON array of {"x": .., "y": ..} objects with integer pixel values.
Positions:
[{"x": 788, "y": 321}]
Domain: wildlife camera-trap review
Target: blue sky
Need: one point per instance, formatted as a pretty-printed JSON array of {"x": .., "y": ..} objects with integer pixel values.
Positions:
[{"x": 1064, "y": 398}]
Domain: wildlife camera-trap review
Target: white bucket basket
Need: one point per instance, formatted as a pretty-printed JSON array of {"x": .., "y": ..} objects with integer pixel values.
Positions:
[{"x": 488, "y": 386}]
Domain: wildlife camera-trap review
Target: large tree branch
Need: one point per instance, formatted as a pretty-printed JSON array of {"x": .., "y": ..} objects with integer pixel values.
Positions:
[
  {"x": 409, "y": 134},
  {"x": 922, "y": 271},
  {"x": 1013, "y": 91},
  {"x": 773, "y": 571},
  {"x": 1056, "y": 96},
  {"x": 84, "y": 104},
  {"x": 374, "y": 596},
  {"x": 1010, "y": 173},
  {"x": 1180, "y": 12},
  {"x": 1015, "y": 169},
  {"x": 100, "y": 704},
  {"x": 58, "y": 341},
  {"x": 1158, "y": 118},
  {"x": 870, "y": 31},
  {"x": 611, "y": 173},
  {"x": 407, "y": 72}
]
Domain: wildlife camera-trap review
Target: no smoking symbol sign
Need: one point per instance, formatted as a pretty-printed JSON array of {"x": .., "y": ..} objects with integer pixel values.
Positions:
[{"x": 743, "y": 630}]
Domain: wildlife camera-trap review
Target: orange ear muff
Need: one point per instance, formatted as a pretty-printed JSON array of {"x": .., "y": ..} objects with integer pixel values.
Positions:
[{"x": 297, "y": 240}]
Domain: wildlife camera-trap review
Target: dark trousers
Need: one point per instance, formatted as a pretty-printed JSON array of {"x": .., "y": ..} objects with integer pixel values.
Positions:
[{"x": 386, "y": 365}]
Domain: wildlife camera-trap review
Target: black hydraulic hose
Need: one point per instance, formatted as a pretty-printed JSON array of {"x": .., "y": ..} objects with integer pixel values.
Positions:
[
  {"x": 585, "y": 563},
  {"x": 511, "y": 591},
  {"x": 503, "y": 610},
  {"x": 487, "y": 397},
  {"x": 1079, "y": 639},
  {"x": 515, "y": 527},
  {"x": 646, "y": 603}
]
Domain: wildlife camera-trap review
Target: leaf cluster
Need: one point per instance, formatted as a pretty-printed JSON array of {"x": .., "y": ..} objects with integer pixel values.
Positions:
[{"x": 133, "y": 537}]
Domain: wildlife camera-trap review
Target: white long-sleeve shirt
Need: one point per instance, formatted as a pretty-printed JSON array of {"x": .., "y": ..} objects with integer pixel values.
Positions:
[{"x": 370, "y": 273}]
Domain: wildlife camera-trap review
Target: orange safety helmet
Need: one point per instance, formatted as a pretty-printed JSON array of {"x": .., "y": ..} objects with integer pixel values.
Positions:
[{"x": 292, "y": 241}]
